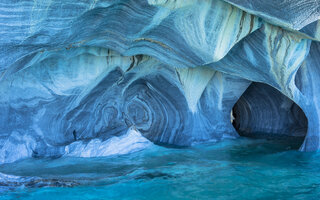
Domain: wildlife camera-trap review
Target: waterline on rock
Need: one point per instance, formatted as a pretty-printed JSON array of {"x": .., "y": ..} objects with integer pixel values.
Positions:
[{"x": 225, "y": 170}]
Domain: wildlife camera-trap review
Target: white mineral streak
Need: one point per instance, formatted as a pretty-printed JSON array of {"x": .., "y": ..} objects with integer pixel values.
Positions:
[
  {"x": 214, "y": 27},
  {"x": 194, "y": 81},
  {"x": 17, "y": 146},
  {"x": 286, "y": 52},
  {"x": 74, "y": 76},
  {"x": 131, "y": 142}
]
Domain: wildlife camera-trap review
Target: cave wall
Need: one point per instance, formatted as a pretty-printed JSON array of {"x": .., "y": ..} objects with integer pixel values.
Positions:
[
  {"x": 262, "y": 111},
  {"x": 88, "y": 93},
  {"x": 72, "y": 72}
]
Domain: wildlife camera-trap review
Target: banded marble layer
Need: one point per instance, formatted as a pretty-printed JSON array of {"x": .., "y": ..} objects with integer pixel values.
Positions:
[{"x": 98, "y": 78}]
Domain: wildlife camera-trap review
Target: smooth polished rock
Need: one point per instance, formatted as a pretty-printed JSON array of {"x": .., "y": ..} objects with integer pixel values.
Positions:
[
  {"x": 198, "y": 33},
  {"x": 308, "y": 96},
  {"x": 94, "y": 94},
  {"x": 264, "y": 110},
  {"x": 270, "y": 55},
  {"x": 132, "y": 141},
  {"x": 293, "y": 14},
  {"x": 77, "y": 75},
  {"x": 301, "y": 17}
]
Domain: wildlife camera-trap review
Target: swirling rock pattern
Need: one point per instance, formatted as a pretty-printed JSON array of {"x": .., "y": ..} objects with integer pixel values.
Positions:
[
  {"x": 268, "y": 112},
  {"x": 77, "y": 75},
  {"x": 298, "y": 14}
]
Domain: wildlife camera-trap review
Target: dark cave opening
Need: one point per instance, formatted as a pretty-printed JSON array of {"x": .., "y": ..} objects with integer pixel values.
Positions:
[{"x": 264, "y": 112}]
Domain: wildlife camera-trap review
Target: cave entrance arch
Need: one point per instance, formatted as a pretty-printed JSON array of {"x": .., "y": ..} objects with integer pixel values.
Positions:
[{"x": 264, "y": 112}]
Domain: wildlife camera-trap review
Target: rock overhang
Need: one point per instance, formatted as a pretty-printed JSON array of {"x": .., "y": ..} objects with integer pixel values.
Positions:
[{"x": 173, "y": 70}]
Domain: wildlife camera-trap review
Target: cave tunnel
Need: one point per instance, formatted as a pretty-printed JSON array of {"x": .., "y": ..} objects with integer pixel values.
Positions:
[{"x": 264, "y": 112}]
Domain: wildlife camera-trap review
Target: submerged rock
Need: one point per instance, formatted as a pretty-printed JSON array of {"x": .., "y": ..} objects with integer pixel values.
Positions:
[
  {"x": 74, "y": 77},
  {"x": 11, "y": 182}
]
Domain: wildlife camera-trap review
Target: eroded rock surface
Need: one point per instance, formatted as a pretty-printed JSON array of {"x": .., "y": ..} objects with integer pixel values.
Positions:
[{"x": 75, "y": 76}]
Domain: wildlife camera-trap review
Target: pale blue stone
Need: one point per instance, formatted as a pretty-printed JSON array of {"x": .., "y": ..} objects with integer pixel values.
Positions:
[{"x": 77, "y": 75}]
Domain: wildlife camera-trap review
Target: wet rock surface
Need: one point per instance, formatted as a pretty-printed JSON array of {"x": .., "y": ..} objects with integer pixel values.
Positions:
[{"x": 78, "y": 76}]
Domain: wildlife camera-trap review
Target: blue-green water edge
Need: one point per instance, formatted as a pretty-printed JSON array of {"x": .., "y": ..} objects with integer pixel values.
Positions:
[{"x": 232, "y": 169}]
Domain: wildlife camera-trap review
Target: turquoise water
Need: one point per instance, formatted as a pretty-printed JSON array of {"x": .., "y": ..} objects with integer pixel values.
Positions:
[{"x": 233, "y": 169}]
